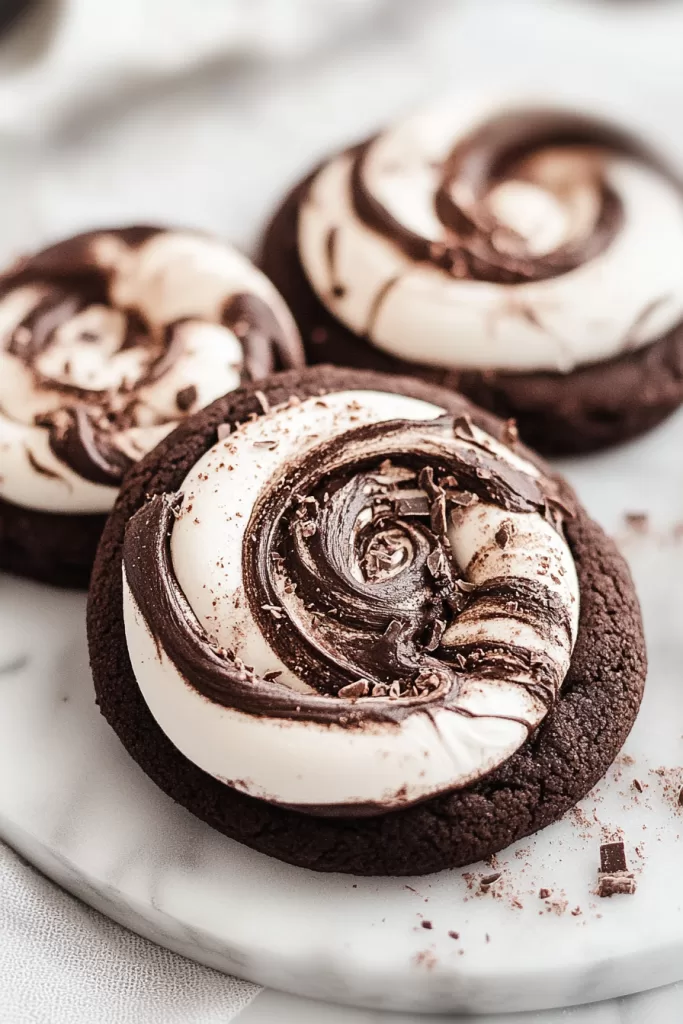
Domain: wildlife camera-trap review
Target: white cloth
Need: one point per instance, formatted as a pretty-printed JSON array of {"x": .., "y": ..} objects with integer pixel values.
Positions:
[{"x": 63, "y": 963}]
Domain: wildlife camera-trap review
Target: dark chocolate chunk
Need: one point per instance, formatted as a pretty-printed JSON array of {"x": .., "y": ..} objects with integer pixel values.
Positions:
[{"x": 613, "y": 857}]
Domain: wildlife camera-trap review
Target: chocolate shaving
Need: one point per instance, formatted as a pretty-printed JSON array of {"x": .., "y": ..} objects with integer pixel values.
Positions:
[
  {"x": 510, "y": 435},
  {"x": 186, "y": 397},
  {"x": 358, "y": 689},
  {"x": 463, "y": 498},
  {"x": 504, "y": 534},
  {"x": 437, "y": 631},
  {"x": 438, "y": 520},
  {"x": 463, "y": 425},
  {"x": 414, "y": 505}
]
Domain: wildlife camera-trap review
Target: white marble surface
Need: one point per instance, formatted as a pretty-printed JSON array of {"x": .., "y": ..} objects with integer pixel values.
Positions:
[
  {"x": 660, "y": 1006},
  {"x": 215, "y": 150}
]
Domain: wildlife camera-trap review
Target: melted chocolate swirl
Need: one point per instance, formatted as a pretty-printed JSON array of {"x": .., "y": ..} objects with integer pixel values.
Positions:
[
  {"x": 474, "y": 242},
  {"x": 483, "y": 235},
  {"x": 124, "y": 332},
  {"x": 351, "y": 569}
]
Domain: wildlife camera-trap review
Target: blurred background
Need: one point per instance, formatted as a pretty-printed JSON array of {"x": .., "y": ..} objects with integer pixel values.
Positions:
[{"x": 200, "y": 112}]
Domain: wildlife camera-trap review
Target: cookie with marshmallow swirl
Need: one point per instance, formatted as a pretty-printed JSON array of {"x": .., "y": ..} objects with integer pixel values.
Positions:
[
  {"x": 107, "y": 341},
  {"x": 355, "y": 607},
  {"x": 528, "y": 256}
]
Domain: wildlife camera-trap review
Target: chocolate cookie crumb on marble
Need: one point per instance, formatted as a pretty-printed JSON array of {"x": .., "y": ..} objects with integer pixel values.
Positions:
[
  {"x": 107, "y": 340},
  {"x": 554, "y": 768},
  {"x": 459, "y": 288}
]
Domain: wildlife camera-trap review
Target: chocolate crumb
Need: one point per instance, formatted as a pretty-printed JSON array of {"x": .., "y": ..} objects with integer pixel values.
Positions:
[
  {"x": 637, "y": 785},
  {"x": 637, "y": 521},
  {"x": 488, "y": 880},
  {"x": 186, "y": 397},
  {"x": 454, "y": 935},
  {"x": 545, "y": 894},
  {"x": 680, "y": 798},
  {"x": 427, "y": 924},
  {"x": 621, "y": 884}
]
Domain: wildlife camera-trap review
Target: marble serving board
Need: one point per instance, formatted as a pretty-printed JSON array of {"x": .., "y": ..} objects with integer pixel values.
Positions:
[{"x": 73, "y": 802}]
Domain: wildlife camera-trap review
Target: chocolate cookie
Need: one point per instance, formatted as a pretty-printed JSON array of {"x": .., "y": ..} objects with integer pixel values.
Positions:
[
  {"x": 527, "y": 257},
  {"x": 107, "y": 340},
  {"x": 361, "y": 628}
]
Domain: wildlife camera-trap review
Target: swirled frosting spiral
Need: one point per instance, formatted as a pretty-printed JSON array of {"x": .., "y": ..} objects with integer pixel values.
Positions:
[
  {"x": 497, "y": 236},
  {"x": 353, "y": 603},
  {"x": 107, "y": 340}
]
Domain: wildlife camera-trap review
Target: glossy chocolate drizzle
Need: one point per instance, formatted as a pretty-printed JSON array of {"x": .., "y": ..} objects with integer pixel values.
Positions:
[
  {"x": 83, "y": 429},
  {"x": 351, "y": 577}
]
